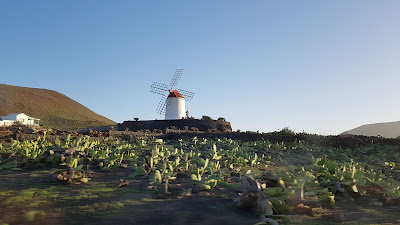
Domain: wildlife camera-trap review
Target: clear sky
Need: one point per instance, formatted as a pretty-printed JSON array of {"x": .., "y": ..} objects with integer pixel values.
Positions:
[{"x": 319, "y": 66}]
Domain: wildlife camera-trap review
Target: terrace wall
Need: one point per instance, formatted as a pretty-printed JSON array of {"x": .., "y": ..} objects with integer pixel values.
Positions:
[
  {"x": 100, "y": 129},
  {"x": 338, "y": 141},
  {"x": 201, "y": 125},
  {"x": 51, "y": 138}
]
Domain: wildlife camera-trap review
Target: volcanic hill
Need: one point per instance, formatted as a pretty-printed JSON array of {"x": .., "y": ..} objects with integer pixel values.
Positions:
[
  {"x": 54, "y": 110},
  {"x": 387, "y": 130}
]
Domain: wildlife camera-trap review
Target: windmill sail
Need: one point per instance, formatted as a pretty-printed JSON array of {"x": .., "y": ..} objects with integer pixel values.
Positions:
[
  {"x": 176, "y": 78},
  {"x": 186, "y": 94},
  {"x": 158, "y": 88},
  {"x": 161, "y": 105}
]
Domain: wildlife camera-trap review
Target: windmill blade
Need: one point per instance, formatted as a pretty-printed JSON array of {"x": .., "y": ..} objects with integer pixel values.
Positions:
[
  {"x": 161, "y": 106},
  {"x": 186, "y": 94},
  {"x": 175, "y": 78},
  {"x": 159, "y": 88}
]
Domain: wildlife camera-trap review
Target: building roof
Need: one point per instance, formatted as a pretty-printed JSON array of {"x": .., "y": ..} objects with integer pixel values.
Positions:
[
  {"x": 174, "y": 94},
  {"x": 16, "y": 114}
]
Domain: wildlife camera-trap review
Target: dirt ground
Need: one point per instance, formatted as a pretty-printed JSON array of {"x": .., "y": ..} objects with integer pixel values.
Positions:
[
  {"x": 36, "y": 197},
  {"x": 101, "y": 201}
]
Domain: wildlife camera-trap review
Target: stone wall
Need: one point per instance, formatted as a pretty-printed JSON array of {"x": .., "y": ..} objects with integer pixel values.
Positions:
[
  {"x": 100, "y": 129},
  {"x": 184, "y": 124},
  {"x": 51, "y": 138},
  {"x": 338, "y": 141}
]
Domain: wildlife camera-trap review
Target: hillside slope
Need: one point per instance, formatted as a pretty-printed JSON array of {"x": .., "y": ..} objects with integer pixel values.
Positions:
[
  {"x": 388, "y": 130},
  {"x": 54, "y": 110}
]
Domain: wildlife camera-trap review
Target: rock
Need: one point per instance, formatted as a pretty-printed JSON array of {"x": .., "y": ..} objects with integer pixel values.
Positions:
[
  {"x": 70, "y": 151},
  {"x": 63, "y": 158},
  {"x": 385, "y": 199},
  {"x": 303, "y": 209},
  {"x": 318, "y": 211},
  {"x": 394, "y": 202},
  {"x": 376, "y": 203},
  {"x": 204, "y": 193},
  {"x": 124, "y": 183},
  {"x": 60, "y": 177},
  {"x": 309, "y": 203}
]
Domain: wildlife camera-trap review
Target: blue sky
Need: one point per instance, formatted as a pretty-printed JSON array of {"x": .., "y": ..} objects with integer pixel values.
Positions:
[{"x": 319, "y": 66}]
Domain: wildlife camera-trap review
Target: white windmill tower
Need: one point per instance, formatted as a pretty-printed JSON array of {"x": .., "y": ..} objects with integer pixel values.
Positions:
[{"x": 172, "y": 102}]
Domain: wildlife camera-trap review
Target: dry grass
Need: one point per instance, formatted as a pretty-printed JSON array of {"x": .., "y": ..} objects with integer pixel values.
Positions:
[{"x": 54, "y": 110}]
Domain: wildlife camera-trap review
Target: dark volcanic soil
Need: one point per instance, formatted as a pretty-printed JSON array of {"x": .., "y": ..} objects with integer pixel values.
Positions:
[{"x": 101, "y": 201}]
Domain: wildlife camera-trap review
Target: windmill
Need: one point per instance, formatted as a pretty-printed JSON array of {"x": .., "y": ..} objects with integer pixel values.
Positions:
[{"x": 172, "y": 103}]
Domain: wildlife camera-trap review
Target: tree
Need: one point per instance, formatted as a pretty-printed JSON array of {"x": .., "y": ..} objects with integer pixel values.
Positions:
[
  {"x": 206, "y": 118},
  {"x": 136, "y": 119},
  {"x": 287, "y": 130},
  {"x": 221, "y": 119}
]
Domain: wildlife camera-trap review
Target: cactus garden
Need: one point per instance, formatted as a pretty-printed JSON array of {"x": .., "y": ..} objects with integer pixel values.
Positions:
[{"x": 192, "y": 180}]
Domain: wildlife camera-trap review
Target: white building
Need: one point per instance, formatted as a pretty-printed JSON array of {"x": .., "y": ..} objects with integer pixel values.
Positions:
[
  {"x": 18, "y": 117},
  {"x": 175, "y": 109}
]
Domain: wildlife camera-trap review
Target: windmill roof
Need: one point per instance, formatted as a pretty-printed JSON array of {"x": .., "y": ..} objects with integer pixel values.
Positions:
[{"x": 174, "y": 94}]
